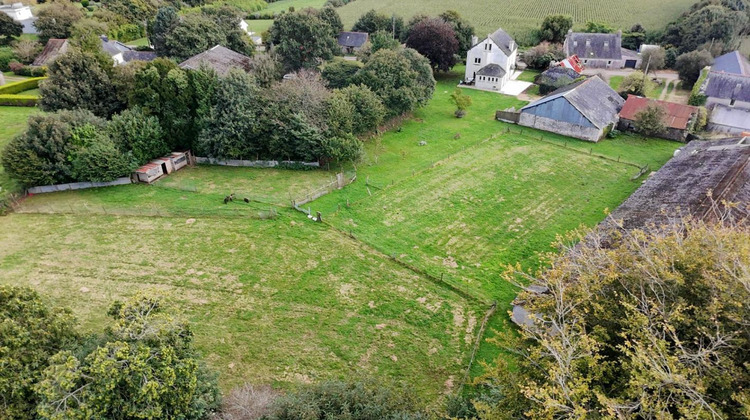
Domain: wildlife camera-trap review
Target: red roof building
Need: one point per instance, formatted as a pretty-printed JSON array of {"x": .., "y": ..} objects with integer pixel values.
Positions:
[{"x": 678, "y": 118}]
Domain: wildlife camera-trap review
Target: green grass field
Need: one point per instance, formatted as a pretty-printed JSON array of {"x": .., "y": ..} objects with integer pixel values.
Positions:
[
  {"x": 519, "y": 16},
  {"x": 654, "y": 93},
  {"x": 380, "y": 288},
  {"x": 284, "y": 5},
  {"x": 259, "y": 25}
]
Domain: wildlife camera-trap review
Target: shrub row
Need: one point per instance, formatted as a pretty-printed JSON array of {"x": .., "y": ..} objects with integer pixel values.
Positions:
[
  {"x": 18, "y": 100},
  {"x": 22, "y": 86}
]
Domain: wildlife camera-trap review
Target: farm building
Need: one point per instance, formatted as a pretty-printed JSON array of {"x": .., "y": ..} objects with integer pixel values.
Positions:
[
  {"x": 134, "y": 55},
  {"x": 600, "y": 50},
  {"x": 681, "y": 186},
  {"x": 491, "y": 62},
  {"x": 115, "y": 49},
  {"x": 728, "y": 100},
  {"x": 53, "y": 49},
  {"x": 678, "y": 118},
  {"x": 585, "y": 110},
  {"x": 732, "y": 63},
  {"x": 351, "y": 42},
  {"x": 165, "y": 165},
  {"x": 555, "y": 78},
  {"x": 219, "y": 58}
]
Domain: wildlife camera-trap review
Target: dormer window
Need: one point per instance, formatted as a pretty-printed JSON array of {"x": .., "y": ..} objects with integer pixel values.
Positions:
[
  {"x": 575, "y": 43},
  {"x": 606, "y": 44}
]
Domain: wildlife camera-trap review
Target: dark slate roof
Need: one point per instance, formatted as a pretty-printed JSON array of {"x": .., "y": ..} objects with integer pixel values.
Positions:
[
  {"x": 733, "y": 117},
  {"x": 592, "y": 97},
  {"x": 133, "y": 55},
  {"x": 504, "y": 41},
  {"x": 733, "y": 62},
  {"x": 52, "y": 50},
  {"x": 556, "y": 73},
  {"x": 680, "y": 187},
  {"x": 113, "y": 47},
  {"x": 491, "y": 70},
  {"x": 728, "y": 86},
  {"x": 353, "y": 39},
  {"x": 595, "y": 48},
  {"x": 219, "y": 58}
]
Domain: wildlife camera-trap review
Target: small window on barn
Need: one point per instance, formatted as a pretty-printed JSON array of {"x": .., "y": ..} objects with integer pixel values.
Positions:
[
  {"x": 609, "y": 62},
  {"x": 731, "y": 103},
  {"x": 585, "y": 61}
]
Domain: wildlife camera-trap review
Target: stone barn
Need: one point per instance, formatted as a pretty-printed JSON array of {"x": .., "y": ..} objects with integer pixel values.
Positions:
[
  {"x": 678, "y": 119},
  {"x": 351, "y": 42},
  {"x": 601, "y": 51},
  {"x": 586, "y": 110}
]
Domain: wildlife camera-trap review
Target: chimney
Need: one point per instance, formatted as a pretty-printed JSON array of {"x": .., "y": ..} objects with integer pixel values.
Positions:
[{"x": 474, "y": 40}]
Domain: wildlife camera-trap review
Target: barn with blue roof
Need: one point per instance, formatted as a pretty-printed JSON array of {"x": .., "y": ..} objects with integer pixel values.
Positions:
[{"x": 585, "y": 110}]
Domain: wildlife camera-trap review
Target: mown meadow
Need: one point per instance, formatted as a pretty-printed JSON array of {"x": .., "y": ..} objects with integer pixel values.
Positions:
[{"x": 393, "y": 283}]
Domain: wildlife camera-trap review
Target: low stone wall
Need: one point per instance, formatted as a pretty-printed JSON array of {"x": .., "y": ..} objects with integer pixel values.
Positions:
[
  {"x": 508, "y": 116},
  {"x": 566, "y": 129},
  {"x": 77, "y": 186},
  {"x": 252, "y": 163}
]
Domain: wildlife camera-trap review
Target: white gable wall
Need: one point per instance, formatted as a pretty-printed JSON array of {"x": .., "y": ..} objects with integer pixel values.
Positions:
[{"x": 487, "y": 52}]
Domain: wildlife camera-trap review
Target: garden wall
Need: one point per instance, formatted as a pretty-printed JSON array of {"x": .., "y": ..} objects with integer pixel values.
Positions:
[
  {"x": 77, "y": 186},
  {"x": 253, "y": 163}
]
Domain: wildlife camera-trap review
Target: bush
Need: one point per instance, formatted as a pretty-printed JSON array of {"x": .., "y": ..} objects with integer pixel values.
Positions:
[
  {"x": 696, "y": 97},
  {"x": 134, "y": 132},
  {"x": 18, "y": 100},
  {"x": 31, "y": 71},
  {"x": 635, "y": 83},
  {"x": 340, "y": 73},
  {"x": 542, "y": 55},
  {"x": 102, "y": 161},
  {"x": 247, "y": 403},
  {"x": 85, "y": 3},
  {"x": 6, "y": 56},
  {"x": 22, "y": 86},
  {"x": 350, "y": 401}
]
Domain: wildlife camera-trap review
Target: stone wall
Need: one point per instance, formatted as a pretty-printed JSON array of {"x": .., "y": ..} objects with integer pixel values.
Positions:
[{"x": 566, "y": 129}]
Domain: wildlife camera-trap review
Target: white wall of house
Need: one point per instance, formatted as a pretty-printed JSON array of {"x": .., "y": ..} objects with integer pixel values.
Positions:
[
  {"x": 118, "y": 59},
  {"x": 490, "y": 83},
  {"x": 18, "y": 13},
  {"x": 487, "y": 52}
]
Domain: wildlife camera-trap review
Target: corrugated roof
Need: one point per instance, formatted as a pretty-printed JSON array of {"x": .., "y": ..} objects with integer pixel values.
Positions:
[
  {"x": 728, "y": 86},
  {"x": 492, "y": 70},
  {"x": 733, "y": 62},
  {"x": 592, "y": 97},
  {"x": 676, "y": 115},
  {"x": 52, "y": 50},
  {"x": 219, "y": 58},
  {"x": 353, "y": 39},
  {"x": 595, "y": 46}
]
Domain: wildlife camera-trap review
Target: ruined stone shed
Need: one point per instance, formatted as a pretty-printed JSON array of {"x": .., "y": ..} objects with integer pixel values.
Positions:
[{"x": 682, "y": 185}]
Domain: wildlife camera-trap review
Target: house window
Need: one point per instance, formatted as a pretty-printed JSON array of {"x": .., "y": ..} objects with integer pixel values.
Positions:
[
  {"x": 731, "y": 103},
  {"x": 585, "y": 61},
  {"x": 490, "y": 47},
  {"x": 477, "y": 60},
  {"x": 609, "y": 62}
]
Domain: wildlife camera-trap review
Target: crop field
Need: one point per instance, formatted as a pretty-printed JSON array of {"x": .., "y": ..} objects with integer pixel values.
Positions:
[
  {"x": 519, "y": 16},
  {"x": 394, "y": 283}
]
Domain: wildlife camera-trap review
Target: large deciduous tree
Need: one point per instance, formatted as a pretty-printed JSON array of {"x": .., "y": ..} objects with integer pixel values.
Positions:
[
  {"x": 690, "y": 65},
  {"x": 302, "y": 40},
  {"x": 555, "y": 27},
  {"x": 79, "y": 80},
  {"x": 9, "y": 29},
  {"x": 56, "y": 20},
  {"x": 436, "y": 40},
  {"x": 463, "y": 29},
  {"x": 636, "y": 324},
  {"x": 166, "y": 20},
  {"x": 140, "y": 134},
  {"x": 373, "y": 21},
  {"x": 650, "y": 121},
  {"x": 145, "y": 369},
  {"x": 32, "y": 332}
]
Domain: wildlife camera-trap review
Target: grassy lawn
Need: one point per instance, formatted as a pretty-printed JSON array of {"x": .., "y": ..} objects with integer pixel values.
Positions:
[
  {"x": 528, "y": 75},
  {"x": 654, "y": 93},
  {"x": 192, "y": 191},
  {"x": 259, "y": 25},
  {"x": 279, "y": 301},
  {"x": 140, "y": 42},
  {"x": 288, "y": 300},
  {"x": 284, "y": 5},
  {"x": 12, "y": 77},
  {"x": 12, "y": 122}
]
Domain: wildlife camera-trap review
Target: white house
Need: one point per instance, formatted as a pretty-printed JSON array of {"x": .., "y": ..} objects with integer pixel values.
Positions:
[
  {"x": 17, "y": 11},
  {"x": 257, "y": 39},
  {"x": 491, "y": 62}
]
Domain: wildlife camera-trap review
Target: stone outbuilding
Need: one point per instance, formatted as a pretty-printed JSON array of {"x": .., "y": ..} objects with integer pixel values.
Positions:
[
  {"x": 220, "y": 59},
  {"x": 586, "y": 110},
  {"x": 678, "y": 119},
  {"x": 601, "y": 51},
  {"x": 351, "y": 42}
]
